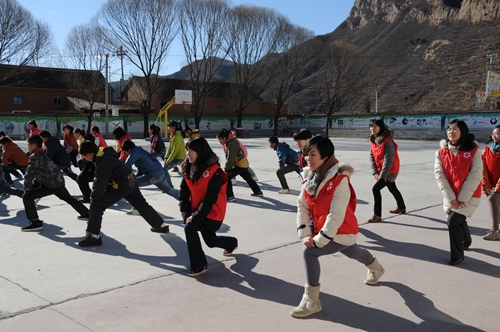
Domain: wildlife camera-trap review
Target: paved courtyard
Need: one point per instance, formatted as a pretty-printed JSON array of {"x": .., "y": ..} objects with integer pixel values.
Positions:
[{"x": 137, "y": 279}]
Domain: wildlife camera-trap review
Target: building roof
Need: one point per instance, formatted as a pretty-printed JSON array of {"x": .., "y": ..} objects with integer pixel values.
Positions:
[{"x": 43, "y": 77}]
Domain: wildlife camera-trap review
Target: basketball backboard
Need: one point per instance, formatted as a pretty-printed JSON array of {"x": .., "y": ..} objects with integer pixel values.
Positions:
[{"x": 184, "y": 97}]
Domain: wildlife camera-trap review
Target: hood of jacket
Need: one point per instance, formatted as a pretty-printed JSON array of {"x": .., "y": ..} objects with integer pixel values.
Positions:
[{"x": 381, "y": 137}]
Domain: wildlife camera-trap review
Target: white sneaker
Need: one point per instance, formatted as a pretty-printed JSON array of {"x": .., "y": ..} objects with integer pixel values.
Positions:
[
  {"x": 284, "y": 191},
  {"x": 256, "y": 179}
]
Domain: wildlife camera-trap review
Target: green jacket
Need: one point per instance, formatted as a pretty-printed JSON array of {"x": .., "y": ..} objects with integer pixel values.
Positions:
[{"x": 176, "y": 148}]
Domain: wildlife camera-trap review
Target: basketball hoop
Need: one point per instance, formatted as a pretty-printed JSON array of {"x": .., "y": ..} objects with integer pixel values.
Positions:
[{"x": 481, "y": 97}]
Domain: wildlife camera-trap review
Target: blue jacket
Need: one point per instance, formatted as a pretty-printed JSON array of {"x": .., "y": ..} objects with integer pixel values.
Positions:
[
  {"x": 145, "y": 162},
  {"x": 286, "y": 155}
]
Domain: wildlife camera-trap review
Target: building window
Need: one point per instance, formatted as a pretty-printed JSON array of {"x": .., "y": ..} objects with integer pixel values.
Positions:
[
  {"x": 57, "y": 101},
  {"x": 18, "y": 100},
  {"x": 222, "y": 110}
]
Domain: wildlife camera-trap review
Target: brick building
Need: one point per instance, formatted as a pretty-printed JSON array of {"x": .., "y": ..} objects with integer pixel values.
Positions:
[{"x": 39, "y": 90}]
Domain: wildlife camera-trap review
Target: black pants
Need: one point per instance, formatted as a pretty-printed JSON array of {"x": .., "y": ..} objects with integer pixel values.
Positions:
[
  {"x": 377, "y": 209},
  {"x": 197, "y": 257},
  {"x": 73, "y": 154},
  {"x": 111, "y": 196},
  {"x": 243, "y": 172},
  {"x": 62, "y": 193},
  {"x": 459, "y": 234},
  {"x": 12, "y": 168},
  {"x": 288, "y": 168},
  {"x": 86, "y": 175}
]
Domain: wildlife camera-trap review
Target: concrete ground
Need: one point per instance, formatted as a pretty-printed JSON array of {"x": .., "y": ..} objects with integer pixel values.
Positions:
[{"x": 137, "y": 279}]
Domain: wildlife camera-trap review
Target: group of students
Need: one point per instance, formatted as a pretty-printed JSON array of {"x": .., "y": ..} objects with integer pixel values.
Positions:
[{"x": 326, "y": 205}]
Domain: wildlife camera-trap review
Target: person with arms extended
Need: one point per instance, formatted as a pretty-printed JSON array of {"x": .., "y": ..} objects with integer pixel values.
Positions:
[
  {"x": 156, "y": 145},
  {"x": 203, "y": 203},
  {"x": 13, "y": 159},
  {"x": 43, "y": 178},
  {"x": 288, "y": 161},
  {"x": 458, "y": 169},
  {"x": 328, "y": 198},
  {"x": 98, "y": 139},
  {"x": 113, "y": 181},
  {"x": 384, "y": 159},
  {"x": 491, "y": 181}
]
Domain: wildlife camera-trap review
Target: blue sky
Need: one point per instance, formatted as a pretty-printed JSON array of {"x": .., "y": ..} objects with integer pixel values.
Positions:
[{"x": 320, "y": 16}]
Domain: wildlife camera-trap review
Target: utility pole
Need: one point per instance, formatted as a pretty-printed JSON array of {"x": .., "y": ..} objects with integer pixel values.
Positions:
[
  {"x": 376, "y": 96},
  {"x": 490, "y": 67},
  {"x": 106, "y": 97},
  {"x": 121, "y": 53}
]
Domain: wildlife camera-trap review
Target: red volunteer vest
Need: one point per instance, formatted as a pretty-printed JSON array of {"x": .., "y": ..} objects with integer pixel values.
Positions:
[
  {"x": 320, "y": 207},
  {"x": 198, "y": 190},
  {"x": 456, "y": 168},
  {"x": 492, "y": 163},
  {"x": 378, "y": 151}
]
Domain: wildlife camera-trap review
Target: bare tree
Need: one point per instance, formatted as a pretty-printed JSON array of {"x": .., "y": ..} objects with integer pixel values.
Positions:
[
  {"x": 23, "y": 40},
  {"x": 256, "y": 32},
  {"x": 345, "y": 73},
  {"x": 145, "y": 29},
  {"x": 296, "y": 49},
  {"x": 204, "y": 36},
  {"x": 86, "y": 50}
]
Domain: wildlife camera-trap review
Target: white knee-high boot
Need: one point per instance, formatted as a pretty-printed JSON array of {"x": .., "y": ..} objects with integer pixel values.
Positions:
[
  {"x": 310, "y": 303},
  {"x": 375, "y": 271}
]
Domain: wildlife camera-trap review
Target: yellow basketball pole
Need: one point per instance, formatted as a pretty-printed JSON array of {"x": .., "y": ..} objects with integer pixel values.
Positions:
[{"x": 164, "y": 112}]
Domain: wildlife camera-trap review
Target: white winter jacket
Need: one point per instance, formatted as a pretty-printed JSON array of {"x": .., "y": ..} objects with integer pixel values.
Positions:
[
  {"x": 335, "y": 218},
  {"x": 468, "y": 187}
]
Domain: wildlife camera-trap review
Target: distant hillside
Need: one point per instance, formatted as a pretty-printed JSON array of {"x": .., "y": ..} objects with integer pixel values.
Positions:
[{"x": 430, "y": 54}]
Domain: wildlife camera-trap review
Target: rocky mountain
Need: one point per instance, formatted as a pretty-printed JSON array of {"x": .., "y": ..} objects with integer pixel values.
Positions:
[{"x": 430, "y": 54}]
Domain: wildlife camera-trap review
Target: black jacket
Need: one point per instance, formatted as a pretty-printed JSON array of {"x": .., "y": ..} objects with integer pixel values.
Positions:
[
  {"x": 57, "y": 153},
  {"x": 111, "y": 173},
  {"x": 41, "y": 171}
]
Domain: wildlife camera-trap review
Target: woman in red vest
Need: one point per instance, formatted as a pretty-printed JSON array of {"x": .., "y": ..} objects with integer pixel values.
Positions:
[
  {"x": 458, "y": 169},
  {"x": 203, "y": 203},
  {"x": 384, "y": 158},
  {"x": 491, "y": 181},
  {"x": 327, "y": 198}
]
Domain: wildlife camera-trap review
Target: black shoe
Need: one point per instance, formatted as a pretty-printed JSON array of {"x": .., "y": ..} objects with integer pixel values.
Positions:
[
  {"x": 465, "y": 246},
  {"x": 259, "y": 194},
  {"x": 165, "y": 229},
  {"x": 85, "y": 217},
  {"x": 34, "y": 225},
  {"x": 84, "y": 200},
  {"x": 90, "y": 241},
  {"x": 456, "y": 261}
]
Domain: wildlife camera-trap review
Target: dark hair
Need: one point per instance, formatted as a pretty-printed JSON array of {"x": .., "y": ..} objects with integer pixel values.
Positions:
[
  {"x": 35, "y": 139},
  {"x": 95, "y": 128},
  {"x": 87, "y": 147},
  {"x": 490, "y": 138},
  {"x": 118, "y": 132},
  {"x": 70, "y": 128},
  {"x": 176, "y": 124},
  {"x": 5, "y": 139},
  {"x": 273, "y": 139},
  {"x": 466, "y": 140},
  {"x": 128, "y": 145},
  {"x": 223, "y": 133},
  {"x": 45, "y": 134},
  {"x": 33, "y": 122},
  {"x": 205, "y": 153},
  {"x": 2, "y": 133},
  {"x": 323, "y": 144},
  {"x": 302, "y": 134},
  {"x": 79, "y": 131},
  {"x": 379, "y": 123},
  {"x": 89, "y": 137},
  {"x": 154, "y": 127}
]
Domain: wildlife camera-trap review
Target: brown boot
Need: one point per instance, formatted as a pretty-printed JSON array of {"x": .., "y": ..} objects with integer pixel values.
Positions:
[
  {"x": 375, "y": 218},
  {"x": 398, "y": 211}
]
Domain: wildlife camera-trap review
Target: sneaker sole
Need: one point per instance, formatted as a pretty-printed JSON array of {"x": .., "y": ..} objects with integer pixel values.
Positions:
[
  {"x": 32, "y": 229},
  {"x": 197, "y": 273},
  {"x": 229, "y": 253}
]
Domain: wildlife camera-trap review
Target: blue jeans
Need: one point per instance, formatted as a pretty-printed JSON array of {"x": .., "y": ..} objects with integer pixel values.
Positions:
[
  {"x": 160, "y": 182},
  {"x": 4, "y": 187},
  {"x": 173, "y": 163}
]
